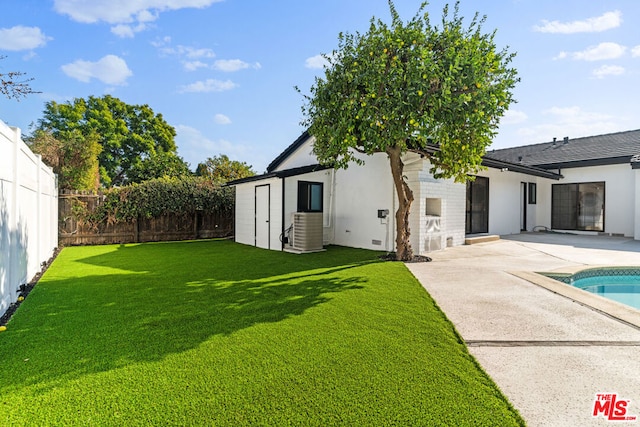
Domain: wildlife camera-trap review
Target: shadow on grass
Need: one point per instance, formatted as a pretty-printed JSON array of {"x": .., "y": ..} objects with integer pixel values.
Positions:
[{"x": 167, "y": 298}]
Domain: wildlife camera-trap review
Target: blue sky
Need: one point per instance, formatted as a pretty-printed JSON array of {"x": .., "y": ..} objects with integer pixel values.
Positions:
[{"x": 223, "y": 72}]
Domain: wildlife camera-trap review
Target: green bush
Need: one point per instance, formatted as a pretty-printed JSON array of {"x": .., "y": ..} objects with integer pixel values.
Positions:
[{"x": 158, "y": 197}]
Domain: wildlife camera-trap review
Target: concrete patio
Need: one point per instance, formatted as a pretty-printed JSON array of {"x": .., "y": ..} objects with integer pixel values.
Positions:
[{"x": 549, "y": 353}]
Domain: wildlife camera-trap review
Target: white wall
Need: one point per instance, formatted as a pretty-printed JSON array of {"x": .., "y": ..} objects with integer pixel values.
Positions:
[
  {"x": 360, "y": 192},
  {"x": 452, "y": 196},
  {"x": 636, "y": 173},
  {"x": 620, "y": 194},
  {"x": 303, "y": 156},
  {"x": 291, "y": 199},
  {"x": 28, "y": 214}
]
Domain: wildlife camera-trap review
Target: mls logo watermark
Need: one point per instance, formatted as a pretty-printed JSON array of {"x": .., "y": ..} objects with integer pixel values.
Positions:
[{"x": 611, "y": 407}]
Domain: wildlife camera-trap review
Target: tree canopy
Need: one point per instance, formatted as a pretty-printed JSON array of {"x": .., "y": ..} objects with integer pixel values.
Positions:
[
  {"x": 128, "y": 134},
  {"x": 221, "y": 169},
  {"x": 74, "y": 159},
  {"x": 438, "y": 90}
]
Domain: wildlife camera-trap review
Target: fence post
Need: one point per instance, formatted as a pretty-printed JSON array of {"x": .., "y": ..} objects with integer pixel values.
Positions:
[
  {"x": 195, "y": 224},
  {"x": 14, "y": 223}
]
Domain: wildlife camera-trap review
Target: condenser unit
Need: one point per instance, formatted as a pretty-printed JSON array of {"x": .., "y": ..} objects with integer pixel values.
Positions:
[{"x": 306, "y": 231}]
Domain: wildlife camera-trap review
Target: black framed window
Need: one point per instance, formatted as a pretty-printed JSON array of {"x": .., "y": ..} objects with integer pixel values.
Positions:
[
  {"x": 310, "y": 196},
  {"x": 579, "y": 206},
  {"x": 533, "y": 197}
]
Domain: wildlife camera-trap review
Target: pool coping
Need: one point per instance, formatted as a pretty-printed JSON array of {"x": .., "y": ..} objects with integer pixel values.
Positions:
[{"x": 613, "y": 309}]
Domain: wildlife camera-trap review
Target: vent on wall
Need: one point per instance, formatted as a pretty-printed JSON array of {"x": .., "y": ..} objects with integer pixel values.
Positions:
[{"x": 307, "y": 231}]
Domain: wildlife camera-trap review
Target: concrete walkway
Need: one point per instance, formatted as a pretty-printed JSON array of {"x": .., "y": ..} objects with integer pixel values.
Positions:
[{"x": 549, "y": 354}]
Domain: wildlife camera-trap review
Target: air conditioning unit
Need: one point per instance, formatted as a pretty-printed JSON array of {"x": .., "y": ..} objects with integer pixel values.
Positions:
[{"x": 307, "y": 233}]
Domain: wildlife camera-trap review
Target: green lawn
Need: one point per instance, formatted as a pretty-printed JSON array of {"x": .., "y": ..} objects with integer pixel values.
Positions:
[{"x": 216, "y": 333}]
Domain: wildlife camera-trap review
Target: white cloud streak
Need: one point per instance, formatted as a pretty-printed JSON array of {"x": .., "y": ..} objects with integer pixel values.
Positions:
[
  {"x": 207, "y": 86},
  {"x": 221, "y": 119},
  {"x": 603, "y": 51},
  {"x": 316, "y": 62},
  {"x": 127, "y": 16},
  {"x": 569, "y": 121},
  {"x": 607, "y": 21},
  {"x": 22, "y": 38},
  {"x": 608, "y": 70},
  {"x": 233, "y": 65},
  {"x": 110, "y": 69},
  {"x": 512, "y": 117},
  {"x": 635, "y": 52}
]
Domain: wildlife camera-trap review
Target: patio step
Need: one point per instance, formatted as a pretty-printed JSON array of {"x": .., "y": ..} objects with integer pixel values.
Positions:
[{"x": 472, "y": 240}]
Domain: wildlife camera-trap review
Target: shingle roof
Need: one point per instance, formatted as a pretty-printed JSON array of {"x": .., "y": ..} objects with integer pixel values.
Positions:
[{"x": 613, "y": 148}]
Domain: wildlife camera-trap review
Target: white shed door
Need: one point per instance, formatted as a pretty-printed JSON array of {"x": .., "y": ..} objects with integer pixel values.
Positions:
[{"x": 262, "y": 216}]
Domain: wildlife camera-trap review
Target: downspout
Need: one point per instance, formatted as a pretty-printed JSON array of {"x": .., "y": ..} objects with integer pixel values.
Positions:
[{"x": 331, "y": 232}]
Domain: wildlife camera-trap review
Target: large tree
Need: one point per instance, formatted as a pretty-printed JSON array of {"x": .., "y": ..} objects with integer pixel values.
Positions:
[
  {"x": 437, "y": 90},
  {"x": 220, "y": 169},
  {"x": 127, "y": 133},
  {"x": 74, "y": 159}
]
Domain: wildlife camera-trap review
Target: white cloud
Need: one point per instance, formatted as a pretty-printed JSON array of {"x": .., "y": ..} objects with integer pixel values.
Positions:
[
  {"x": 118, "y": 12},
  {"x": 607, "y": 50},
  {"x": 194, "y": 65},
  {"x": 22, "y": 38},
  {"x": 128, "y": 31},
  {"x": 232, "y": 65},
  {"x": 110, "y": 69},
  {"x": 635, "y": 52},
  {"x": 316, "y": 62},
  {"x": 608, "y": 70},
  {"x": 512, "y": 117},
  {"x": 598, "y": 24},
  {"x": 209, "y": 85},
  {"x": 572, "y": 121},
  {"x": 122, "y": 11},
  {"x": 221, "y": 119},
  {"x": 195, "y": 147}
]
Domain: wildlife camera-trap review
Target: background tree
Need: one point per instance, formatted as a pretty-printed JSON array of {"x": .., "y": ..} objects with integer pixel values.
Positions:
[
  {"x": 127, "y": 133},
  {"x": 74, "y": 158},
  {"x": 159, "y": 165},
  {"x": 411, "y": 87},
  {"x": 14, "y": 85},
  {"x": 221, "y": 169}
]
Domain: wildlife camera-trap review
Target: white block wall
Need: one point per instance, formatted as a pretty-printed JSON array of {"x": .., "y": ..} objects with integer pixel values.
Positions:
[
  {"x": 452, "y": 216},
  {"x": 28, "y": 214}
]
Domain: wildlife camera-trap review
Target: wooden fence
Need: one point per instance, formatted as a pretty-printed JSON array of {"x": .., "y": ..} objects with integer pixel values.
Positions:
[{"x": 199, "y": 225}]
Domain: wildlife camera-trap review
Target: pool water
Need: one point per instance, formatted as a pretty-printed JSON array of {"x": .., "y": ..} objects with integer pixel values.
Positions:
[
  {"x": 617, "y": 284},
  {"x": 624, "y": 289}
]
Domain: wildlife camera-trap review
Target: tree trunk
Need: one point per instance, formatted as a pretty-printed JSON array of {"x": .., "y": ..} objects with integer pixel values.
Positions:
[{"x": 404, "y": 252}]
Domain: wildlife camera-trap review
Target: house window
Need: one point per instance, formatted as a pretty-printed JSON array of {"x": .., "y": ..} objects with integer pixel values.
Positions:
[
  {"x": 578, "y": 206},
  {"x": 532, "y": 193},
  {"x": 309, "y": 196}
]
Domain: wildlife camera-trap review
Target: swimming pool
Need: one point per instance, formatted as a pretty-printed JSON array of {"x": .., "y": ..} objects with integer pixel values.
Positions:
[{"x": 617, "y": 284}]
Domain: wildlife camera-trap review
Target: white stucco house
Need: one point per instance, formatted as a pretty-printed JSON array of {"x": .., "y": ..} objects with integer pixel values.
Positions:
[{"x": 583, "y": 185}]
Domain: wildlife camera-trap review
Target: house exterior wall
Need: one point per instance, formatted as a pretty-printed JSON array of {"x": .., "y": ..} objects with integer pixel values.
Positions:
[
  {"x": 291, "y": 199},
  {"x": 636, "y": 176},
  {"x": 303, "y": 156},
  {"x": 360, "y": 191},
  {"x": 506, "y": 201},
  {"x": 620, "y": 194},
  {"x": 437, "y": 213}
]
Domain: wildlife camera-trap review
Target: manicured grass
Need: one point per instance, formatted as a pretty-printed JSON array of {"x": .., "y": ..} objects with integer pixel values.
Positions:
[{"x": 216, "y": 333}]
